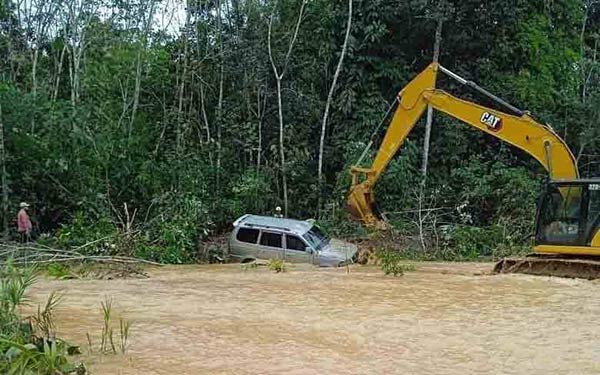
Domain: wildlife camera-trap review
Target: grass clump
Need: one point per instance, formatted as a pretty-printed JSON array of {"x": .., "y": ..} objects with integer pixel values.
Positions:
[
  {"x": 249, "y": 266},
  {"x": 108, "y": 342},
  {"x": 277, "y": 265},
  {"x": 393, "y": 264},
  {"x": 64, "y": 271}
]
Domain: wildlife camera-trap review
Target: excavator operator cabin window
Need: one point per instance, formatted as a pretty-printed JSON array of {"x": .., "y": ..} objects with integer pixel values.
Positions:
[
  {"x": 560, "y": 215},
  {"x": 593, "y": 220}
]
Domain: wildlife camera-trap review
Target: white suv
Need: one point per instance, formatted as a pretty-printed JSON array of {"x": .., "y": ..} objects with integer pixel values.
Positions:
[{"x": 295, "y": 241}]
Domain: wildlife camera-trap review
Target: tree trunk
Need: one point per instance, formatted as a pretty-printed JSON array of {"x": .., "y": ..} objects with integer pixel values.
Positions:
[
  {"x": 34, "y": 84},
  {"x": 282, "y": 150},
  {"x": 220, "y": 102},
  {"x": 219, "y": 127},
  {"x": 76, "y": 56},
  {"x": 138, "y": 68},
  {"x": 34, "y": 61},
  {"x": 59, "y": 72},
  {"x": 3, "y": 179},
  {"x": 203, "y": 111},
  {"x": 436, "y": 55},
  {"x": 328, "y": 104},
  {"x": 259, "y": 115},
  {"x": 278, "y": 78},
  {"x": 180, "y": 130},
  {"x": 77, "y": 69},
  {"x": 587, "y": 6}
]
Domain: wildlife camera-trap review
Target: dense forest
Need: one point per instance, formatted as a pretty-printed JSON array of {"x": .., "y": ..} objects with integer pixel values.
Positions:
[{"x": 154, "y": 124}]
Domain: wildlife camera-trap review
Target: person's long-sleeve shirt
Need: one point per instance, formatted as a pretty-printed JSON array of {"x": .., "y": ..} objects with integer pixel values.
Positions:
[{"x": 23, "y": 222}]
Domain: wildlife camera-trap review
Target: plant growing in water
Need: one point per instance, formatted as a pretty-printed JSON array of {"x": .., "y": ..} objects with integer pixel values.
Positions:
[
  {"x": 107, "y": 331},
  {"x": 124, "y": 326},
  {"x": 392, "y": 263},
  {"x": 277, "y": 265},
  {"x": 107, "y": 339},
  {"x": 249, "y": 266},
  {"x": 29, "y": 346}
]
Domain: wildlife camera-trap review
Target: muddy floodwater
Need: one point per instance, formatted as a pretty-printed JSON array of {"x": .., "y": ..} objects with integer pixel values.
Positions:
[{"x": 440, "y": 319}]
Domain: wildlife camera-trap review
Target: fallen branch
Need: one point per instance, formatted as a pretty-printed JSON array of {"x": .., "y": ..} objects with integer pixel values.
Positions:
[
  {"x": 20, "y": 254},
  {"x": 103, "y": 259}
]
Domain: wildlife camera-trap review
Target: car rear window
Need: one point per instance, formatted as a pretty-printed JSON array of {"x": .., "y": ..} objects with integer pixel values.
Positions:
[
  {"x": 247, "y": 235},
  {"x": 270, "y": 239}
]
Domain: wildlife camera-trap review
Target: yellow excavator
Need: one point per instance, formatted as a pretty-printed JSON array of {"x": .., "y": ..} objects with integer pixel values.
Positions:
[{"x": 567, "y": 239}]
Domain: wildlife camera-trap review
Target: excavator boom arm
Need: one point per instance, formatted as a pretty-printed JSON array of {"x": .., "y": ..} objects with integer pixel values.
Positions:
[{"x": 538, "y": 140}]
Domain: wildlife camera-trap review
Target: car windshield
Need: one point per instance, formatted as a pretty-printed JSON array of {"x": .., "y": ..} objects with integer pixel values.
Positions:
[{"x": 316, "y": 238}]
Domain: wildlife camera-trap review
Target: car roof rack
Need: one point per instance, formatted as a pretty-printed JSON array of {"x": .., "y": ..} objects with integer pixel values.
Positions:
[{"x": 267, "y": 226}]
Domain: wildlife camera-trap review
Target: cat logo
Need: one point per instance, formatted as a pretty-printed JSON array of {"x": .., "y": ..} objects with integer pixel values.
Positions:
[{"x": 493, "y": 122}]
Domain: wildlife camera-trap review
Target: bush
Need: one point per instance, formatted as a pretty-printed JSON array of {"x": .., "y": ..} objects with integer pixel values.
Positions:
[
  {"x": 463, "y": 242},
  {"x": 182, "y": 221},
  {"x": 83, "y": 230},
  {"x": 494, "y": 191},
  {"x": 392, "y": 263},
  {"x": 277, "y": 265}
]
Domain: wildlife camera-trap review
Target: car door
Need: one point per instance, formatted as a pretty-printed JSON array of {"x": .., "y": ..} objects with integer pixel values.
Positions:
[
  {"x": 295, "y": 250},
  {"x": 246, "y": 245},
  {"x": 271, "y": 245}
]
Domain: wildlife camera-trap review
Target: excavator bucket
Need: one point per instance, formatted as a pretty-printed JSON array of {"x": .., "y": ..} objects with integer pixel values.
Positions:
[
  {"x": 549, "y": 265},
  {"x": 368, "y": 212},
  {"x": 361, "y": 203}
]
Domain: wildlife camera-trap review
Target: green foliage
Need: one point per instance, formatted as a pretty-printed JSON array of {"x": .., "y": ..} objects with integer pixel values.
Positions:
[
  {"x": 29, "y": 347},
  {"x": 52, "y": 359},
  {"x": 82, "y": 230},
  {"x": 277, "y": 265},
  {"x": 43, "y": 321},
  {"x": 59, "y": 271},
  {"x": 463, "y": 242},
  {"x": 495, "y": 190},
  {"x": 182, "y": 222},
  {"x": 392, "y": 263},
  {"x": 249, "y": 192}
]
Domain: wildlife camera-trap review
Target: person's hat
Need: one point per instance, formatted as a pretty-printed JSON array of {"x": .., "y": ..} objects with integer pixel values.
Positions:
[
  {"x": 277, "y": 208},
  {"x": 23, "y": 205}
]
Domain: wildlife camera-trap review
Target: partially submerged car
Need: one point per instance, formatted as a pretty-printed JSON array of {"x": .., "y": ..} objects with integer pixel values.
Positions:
[{"x": 295, "y": 241}]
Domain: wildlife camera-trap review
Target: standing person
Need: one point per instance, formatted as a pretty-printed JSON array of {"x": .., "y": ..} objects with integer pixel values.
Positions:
[
  {"x": 278, "y": 213},
  {"x": 24, "y": 223}
]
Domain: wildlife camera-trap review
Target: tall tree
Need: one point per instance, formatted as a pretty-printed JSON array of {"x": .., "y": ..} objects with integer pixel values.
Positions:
[
  {"x": 336, "y": 75},
  {"x": 279, "y": 74}
]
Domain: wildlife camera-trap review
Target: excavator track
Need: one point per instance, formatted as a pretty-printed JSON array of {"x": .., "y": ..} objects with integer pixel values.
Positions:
[{"x": 552, "y": 265}]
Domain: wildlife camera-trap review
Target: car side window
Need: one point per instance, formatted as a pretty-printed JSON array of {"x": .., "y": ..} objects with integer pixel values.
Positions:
[
  {"x": 294, "y": 243},
  {"x": 271, "y": 239},
  {"x": 247, "y": 235}
]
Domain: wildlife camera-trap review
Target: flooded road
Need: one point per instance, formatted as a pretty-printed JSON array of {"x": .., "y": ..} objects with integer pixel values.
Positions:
[{"x": 441, "y": 319}]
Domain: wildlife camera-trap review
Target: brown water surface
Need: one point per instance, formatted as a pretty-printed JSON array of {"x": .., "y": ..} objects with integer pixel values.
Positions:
[{"x": 441, "y": 319}]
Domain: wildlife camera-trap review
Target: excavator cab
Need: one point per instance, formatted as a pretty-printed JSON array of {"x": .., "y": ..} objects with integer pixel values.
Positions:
[
  {"x": 567, "y": 239},
  {"x": 569, "y": 218}
]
